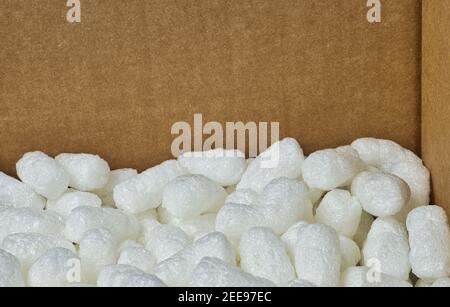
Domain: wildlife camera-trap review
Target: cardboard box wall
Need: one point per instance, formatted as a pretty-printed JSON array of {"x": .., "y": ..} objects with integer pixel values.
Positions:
[{"x": 115, "y": 83}]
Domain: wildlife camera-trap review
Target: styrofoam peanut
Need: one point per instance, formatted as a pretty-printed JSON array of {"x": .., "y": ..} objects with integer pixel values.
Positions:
[
  {"x": 282, "y": 159},
  {"x": 331, "y": 168},
  {"x": 387, "y": 244},
  {"x": 43, "y": 174},
  {"x": 14, "y": 193},
  {"x": 429, "y": 239},
  {"x": 144, "y": 191},
  {"x": 381, "y": 194},
  {"x": 224, "y": 167},
  {"x": 192, "y": 195},
  {"x": 86, "y": 172},
  {"x": 318, "y": 255},
  {"x": 341, "y": 211}
]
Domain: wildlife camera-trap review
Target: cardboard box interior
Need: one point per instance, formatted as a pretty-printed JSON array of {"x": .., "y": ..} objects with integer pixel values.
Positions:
[{"x": 115, "y": 83}]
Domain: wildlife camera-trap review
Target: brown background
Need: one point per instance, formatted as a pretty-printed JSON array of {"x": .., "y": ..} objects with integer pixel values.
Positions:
[
  {"x": 116, "y": 83},
  {"x": 436, "y": 96}
]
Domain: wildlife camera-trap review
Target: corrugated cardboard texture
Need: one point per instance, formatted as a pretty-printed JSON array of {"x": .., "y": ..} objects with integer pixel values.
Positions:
[
  {"x": 115, "y": 83},
  {"x": 436, "y": 96}
]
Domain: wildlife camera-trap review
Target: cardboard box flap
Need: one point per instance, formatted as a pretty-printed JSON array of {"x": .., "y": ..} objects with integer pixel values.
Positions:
[{"x": 436, "y": 97}]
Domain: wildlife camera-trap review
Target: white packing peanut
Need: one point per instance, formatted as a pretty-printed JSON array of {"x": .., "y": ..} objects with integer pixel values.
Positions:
[
  {"x": 282, "y": 159},
  {"x": 429, "y": 238},
  {"x": 120, "y": 275},
  {"x": 381, "y": 194},
  {"x": 65, "y": 204},
  {"x": 192, "y": 195},
  {"x": 263, "y": 254},
  {"x": 98, "y": 248},
  {"x": 43, "y": 174},
  {"x": 28, "y": 247},
  {"x": 284, "y": 202},
  {"x": 340, "y": 210},
  {"x": 144, "y": 191},
  {"x": 87, "y": 172},
  {"x": 82, "y": 219},
  {"x": 318, "y": 255},
  {"x": 53, "y": 269},
  {"x": 10, "y": 272},
  {"x": 213, "y": 272},
  {"x": 28, "y": 220},
  {"x": 14, "y": 193},
  {"x": 225, "y": 167},
  {"x": 332, "y": 168},
  {"x": 350, "y": 252},
  {"x": 387, "y": 244},
  {"x": 116, "y": 177},
  {"x": 165, "y": 241},
  {"x": 138, "y": 257}
]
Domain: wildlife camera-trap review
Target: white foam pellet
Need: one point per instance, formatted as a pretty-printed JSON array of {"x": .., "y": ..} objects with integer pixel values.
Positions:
[
  {"x": 14, "y": 193},
  {"x": 122, "y": 226},
  {"x": 350, "y": 252},
  {"x": 147, "y": 226},
  {"x": 212, "y": 272},
  {"x": 10, "y": 273},
  {"x": 331, "y": 168},
  {"x": 129, "y": 243},
  {"x": 28, "y": 247},
  {"x": 54, "y": 269},
  {"x": 244, "y": 197},
  {"x": 176, "y": 270},
  {"x": 387, "y": 244},
  {"x": 363, "y": 228},
  {"x": 262, "y": 254},
  {"x": 417, "y": 176},
  {"x": 318, "y": 255},
  {"x": 235, "y": 219},
  {"x": 378, "y": 152},
  {"x": 98, "y": 248},
  {"x": 28, "y": 220},
  {"x": 282, "y": 159},
  {"x": 381, "y": 194},
  {"x": 429, "y": 238},
  {"x": 300, "y": 283},
  {"x": 116, "y": 177},
  {"x": 166, "y": 240},
  {"x": 441, "y": 283},
  {"x": 340, "y": 210},
  {"x": 127, "y": 276},
  {"x": 144, "y": 191},
  {"x": 390, "y": 157},
  {"x": 284, "y": 202},
  {"x": 65, "y": 204},
  {"x": 43, "y": 174},
  {"x": 214, "y": 245},
  {"x": 138, "y": 257},
  {"x": 363, "y": 277},
  {"x": 290, "y": 238},
  {"x": 192, "y": 195},
  {"x": 224, "y": 167},
  {"x": 87, "y": 172}
]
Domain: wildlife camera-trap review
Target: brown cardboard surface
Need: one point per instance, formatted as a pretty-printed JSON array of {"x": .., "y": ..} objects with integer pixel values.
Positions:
[
  {"x": 115, "y": 83},
  {"x": 436, "y": 96}
]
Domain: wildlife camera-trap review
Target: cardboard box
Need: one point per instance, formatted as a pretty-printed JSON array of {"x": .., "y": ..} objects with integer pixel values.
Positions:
[{"x": 115, "y": 83}]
